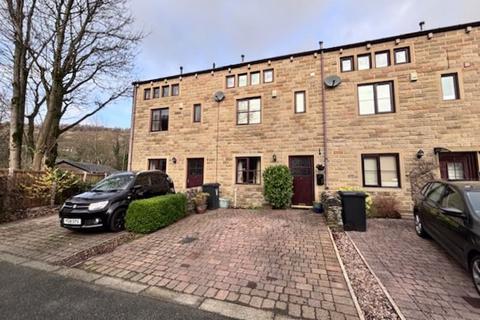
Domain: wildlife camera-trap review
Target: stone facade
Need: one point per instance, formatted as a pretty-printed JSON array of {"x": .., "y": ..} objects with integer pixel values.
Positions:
[{"x": 422, "y": 119}]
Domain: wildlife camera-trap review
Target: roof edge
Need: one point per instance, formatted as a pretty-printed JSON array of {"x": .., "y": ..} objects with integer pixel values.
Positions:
[{"x": 305, "y": 53}]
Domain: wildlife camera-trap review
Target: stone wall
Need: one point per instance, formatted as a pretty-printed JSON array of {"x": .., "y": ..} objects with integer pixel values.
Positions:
[{"x": 422, "y": 119}]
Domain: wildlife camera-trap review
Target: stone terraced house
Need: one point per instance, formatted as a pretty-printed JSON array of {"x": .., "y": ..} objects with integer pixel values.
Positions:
[{"x": 404, "y": 102}]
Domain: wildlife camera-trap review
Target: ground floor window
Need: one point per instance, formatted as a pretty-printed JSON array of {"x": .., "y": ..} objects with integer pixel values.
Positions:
[
  {"x": 157, "y": 164},
  {"x": 381, "y": 170},
  {"x": 248, "y": 170}
]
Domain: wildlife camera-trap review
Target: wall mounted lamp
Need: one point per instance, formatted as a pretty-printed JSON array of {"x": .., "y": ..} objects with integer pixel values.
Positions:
[
  {"x": 274, "y": 158},
  {"x": 174, "y": 160},
  {"x": 420, "y": 154}
]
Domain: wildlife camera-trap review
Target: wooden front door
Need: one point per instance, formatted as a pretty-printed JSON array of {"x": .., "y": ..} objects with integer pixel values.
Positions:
[
  {"x": 303, "y": 188},
  {"x": 458, "y": 165},
  {"x": 194, "y": 172}
]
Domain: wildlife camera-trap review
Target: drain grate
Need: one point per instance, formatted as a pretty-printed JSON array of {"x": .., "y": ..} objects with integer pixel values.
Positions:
[
  {"x": 188, "y": 239},
  {"x": 474, "y": 302},
  {"x": 185, "y": 265},
  {"x": 251, "y": 285}
]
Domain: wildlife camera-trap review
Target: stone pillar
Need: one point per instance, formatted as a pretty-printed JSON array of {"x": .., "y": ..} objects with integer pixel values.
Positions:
[{"x": 332, "y": 206}]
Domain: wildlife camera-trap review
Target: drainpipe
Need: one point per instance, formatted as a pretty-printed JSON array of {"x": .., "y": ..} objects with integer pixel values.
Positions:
[
  {"x": 132, "y": 127},
  {"x": 218, "y": 132},
  {"x": 324, "y": 111}
]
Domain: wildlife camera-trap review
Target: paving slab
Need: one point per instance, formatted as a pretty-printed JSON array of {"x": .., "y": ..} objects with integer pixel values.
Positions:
[
  {"x": 43, "y": 239},
  {"x": 422, "y": 278},
  {"x": 279, "y": 261}
]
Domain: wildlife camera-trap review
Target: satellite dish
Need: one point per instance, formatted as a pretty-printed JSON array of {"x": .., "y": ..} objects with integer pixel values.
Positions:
[
  {"x": 332, "y": 81},
  {"x": 219, "y": 96}
]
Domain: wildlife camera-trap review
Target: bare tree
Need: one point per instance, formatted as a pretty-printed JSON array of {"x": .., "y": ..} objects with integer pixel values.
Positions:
[
  {"x": 85, "y": 65},
  {"x": 3, "y": 107},
  {"x": 16, "y": 31}
]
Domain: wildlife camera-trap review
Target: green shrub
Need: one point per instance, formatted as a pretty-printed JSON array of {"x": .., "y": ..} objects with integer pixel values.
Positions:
[
  {"x": 278, "y": 186},
  {"x": 54, "y": 179},
  {"x": 368, "y": 199},
  {"x": 149, "y": 215}
]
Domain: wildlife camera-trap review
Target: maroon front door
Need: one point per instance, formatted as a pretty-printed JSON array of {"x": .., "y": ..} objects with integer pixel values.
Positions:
[
  {"x": 458, "y": 165},
  {"x": 194, "y": 172},
  {"x": 302, "y": 171}
]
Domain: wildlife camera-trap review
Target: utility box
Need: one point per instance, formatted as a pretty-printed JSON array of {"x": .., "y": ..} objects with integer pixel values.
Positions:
[
  {"x": 353, "y": 210},
  {"x": 213, "y": 190}
]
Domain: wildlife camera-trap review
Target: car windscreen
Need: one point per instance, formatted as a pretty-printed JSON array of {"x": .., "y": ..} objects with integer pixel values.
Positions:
[
  {"x": 474, "y": 199},
  {"x": 113, "y": 183}
]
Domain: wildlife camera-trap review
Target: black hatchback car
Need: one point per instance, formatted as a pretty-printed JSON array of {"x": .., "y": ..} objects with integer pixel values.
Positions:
[
  {"x": 449, "y": 212},
  {"x": 105, "y": 205}
]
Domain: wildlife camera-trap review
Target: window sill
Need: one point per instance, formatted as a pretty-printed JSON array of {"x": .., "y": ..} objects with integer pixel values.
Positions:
[
  {"x": 247, "y": 125},
  {"x": 376, "y": 114},
  {"x": 393, "y": 189}
]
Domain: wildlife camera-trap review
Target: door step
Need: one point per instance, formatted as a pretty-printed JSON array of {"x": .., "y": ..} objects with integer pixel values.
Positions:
[{"x": 301, "y": 207}]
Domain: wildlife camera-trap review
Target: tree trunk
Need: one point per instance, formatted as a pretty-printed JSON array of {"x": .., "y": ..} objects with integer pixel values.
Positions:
[
  {"x": 50, "y": 130},
  {"x": 30, "y": 137},
  {"x": 19, "y": 87}
]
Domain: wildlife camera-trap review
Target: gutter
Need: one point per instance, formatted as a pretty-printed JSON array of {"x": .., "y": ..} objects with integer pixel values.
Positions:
[{"x": 132, "y": 128}]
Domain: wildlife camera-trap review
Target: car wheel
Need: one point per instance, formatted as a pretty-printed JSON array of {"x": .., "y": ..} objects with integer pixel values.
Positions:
[
  {"x": 419, "y": 226},
  {"x": 475, "y": 268},
  {"x": 117, "y": 221}
]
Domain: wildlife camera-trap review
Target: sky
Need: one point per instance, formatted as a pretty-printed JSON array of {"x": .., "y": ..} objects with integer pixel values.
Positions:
[{"x": 196, "y": 33}]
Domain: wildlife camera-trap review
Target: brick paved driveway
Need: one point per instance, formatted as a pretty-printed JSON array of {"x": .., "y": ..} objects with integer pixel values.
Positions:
[
  {"x": 43, "y": 239},
  {"x": 424, "y": 281},
  {"x": 278, "y": 260}
]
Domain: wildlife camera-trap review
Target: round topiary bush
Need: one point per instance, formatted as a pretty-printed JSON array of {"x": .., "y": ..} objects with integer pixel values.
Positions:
[{"x": 278, "y": 186}]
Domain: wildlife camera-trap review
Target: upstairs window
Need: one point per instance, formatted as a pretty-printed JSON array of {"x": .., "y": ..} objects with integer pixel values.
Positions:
[
  {"x": 376, "y": 98},
  {"x": 230, "y": 81},
  {"x": 300, "y": 103},
  {"x": 268, "y": 76},
  {"x": 248, "y": 170},
  {"x": 156, "y": 92},
  {"x": 401, "y": 55},
  {"x": 197, "y": 113},
  {"x": 165, "y": 91},
  {"x": 147, "y": 94},
  {"x": 364, "y": 62},
  {"x": 242, "y": 80},
  {"x": 254, "y": 78},
  {"x": 381, "y": 170},
  {"x": 450, "y": 89},
  {"x": 157, "y": 164},
  {"x": 346, "y": 64},
  {"x": 159, "y": 120},
  {"x": 175, "y": 89},
  {"x": 382, "y": 59},
  {"x": 249, "y": 111}
]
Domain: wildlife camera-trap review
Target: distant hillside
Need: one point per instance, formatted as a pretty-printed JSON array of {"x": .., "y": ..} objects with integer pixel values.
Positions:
[
  {"x": 96, "y": 145},
  {"x": 83, "y": 143}
]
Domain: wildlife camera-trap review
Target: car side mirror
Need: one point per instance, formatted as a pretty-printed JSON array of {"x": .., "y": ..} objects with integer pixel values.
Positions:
[
  {"x": 137, "y": 189},
  {"x": 454, "y": 212}
]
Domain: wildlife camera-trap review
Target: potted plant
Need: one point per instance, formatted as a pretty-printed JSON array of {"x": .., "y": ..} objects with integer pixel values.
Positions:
[{"x": 200, "y": 201}]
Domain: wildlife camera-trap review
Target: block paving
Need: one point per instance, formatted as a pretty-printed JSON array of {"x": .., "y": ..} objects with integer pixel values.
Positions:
[
  {"x": 44, "y": 240},
  {"x": 422, "y": 278},
  {"x": 283, "y": 261}
]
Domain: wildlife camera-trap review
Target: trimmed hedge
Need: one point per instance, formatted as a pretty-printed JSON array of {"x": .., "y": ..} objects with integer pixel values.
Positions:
[
  {"x": 278, "y": 186},
  {"x": 149, "y": 215}
]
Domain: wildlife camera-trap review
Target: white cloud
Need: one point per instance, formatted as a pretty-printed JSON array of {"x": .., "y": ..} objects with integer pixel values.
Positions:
[{"x": 195, "y": 33}]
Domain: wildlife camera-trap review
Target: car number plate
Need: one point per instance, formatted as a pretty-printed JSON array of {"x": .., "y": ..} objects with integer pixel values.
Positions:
[{"x": 72, "y": 221}]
